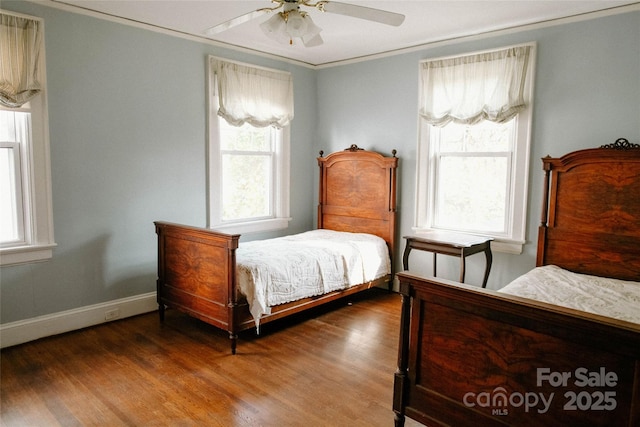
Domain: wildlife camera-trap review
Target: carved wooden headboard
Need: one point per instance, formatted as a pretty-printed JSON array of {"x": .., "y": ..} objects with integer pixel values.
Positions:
[
  {"x": 358, "y": 193},
  {"x": 591, "y": 211}
]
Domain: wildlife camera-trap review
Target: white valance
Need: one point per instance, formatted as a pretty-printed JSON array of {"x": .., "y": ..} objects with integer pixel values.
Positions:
[
  {"x": 20, "y": 41},
  {"x": 469, "y": 89},
  {"x": 253, "y": 95}
]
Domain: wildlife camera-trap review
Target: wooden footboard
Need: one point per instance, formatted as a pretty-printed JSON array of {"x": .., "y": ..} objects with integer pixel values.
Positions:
[
  {"x": 470, "y": 356},
  {"x": 196, "y": 275}
]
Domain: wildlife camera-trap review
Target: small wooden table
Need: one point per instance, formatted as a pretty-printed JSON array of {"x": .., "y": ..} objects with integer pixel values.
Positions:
[{"x": 448, "y": 243}]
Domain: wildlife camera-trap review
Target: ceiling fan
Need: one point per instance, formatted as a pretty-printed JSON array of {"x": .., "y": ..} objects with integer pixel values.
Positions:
[{"x": 291, "y": 22}]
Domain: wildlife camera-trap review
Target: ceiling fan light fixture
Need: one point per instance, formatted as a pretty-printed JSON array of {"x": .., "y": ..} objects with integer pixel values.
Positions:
[
  {"x": 296, "y": 24},
  {"x": 285, "y": 26},
  {"x": 312, "y": 41},
  {"x": 313, "y": 31},
  {"x": 275, "y": 28}
]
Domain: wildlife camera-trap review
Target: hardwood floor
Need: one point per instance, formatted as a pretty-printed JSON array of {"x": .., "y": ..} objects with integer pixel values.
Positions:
[{"x": 331, "y": 367}]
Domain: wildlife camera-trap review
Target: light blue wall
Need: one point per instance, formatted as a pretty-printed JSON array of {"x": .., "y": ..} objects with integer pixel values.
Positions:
[
  {"x": 587, "y": 93},
  {"x": 127, "y": 132},
  {"x": 127, "y": 127}
]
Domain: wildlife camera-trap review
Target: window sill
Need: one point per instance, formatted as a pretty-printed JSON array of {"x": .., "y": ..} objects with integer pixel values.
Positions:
[
  {"x": 507, "y": 246},
  {"x": 253, "y": 226},
  {"x": 26, "y": 254}
]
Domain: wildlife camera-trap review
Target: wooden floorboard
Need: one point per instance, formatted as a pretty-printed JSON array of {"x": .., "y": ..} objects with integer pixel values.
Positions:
[{"x": 333, "y": 366}]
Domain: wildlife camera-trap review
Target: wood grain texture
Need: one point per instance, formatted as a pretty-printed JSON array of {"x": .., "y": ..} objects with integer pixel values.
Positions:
[
  {"x": 591, "y": 212},
  {"x": 358, "y": 193},
  {"x": 464, "y": 339},
  {"x": 331, "y": 366}
]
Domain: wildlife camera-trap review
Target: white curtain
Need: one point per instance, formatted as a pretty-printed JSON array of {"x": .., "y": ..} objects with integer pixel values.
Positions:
[
  {"x": 469, "y": 89},
  {"x": 253, "y": 95},
  {"x": 20, "y": 41}
]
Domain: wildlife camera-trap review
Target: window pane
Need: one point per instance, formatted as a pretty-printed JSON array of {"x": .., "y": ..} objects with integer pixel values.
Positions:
[
  {"x": 482, "y": 137},
  {"x": 472, "y": 193},
  {"x": 7, "y": 126},
  {"x": 244, "y": 138},
  {"x": 14, "y": 130},
  {"x": 246, "y": 186},
  {"x": 9, "y": 211},
  {"x": 14, "y": 126}
]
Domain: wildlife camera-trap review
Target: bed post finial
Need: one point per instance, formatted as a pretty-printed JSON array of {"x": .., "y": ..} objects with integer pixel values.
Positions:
[
  {"x": 394, "y": 152},
  {"x": 321, "y": 153},
  {"x": 621, "y": 144}
]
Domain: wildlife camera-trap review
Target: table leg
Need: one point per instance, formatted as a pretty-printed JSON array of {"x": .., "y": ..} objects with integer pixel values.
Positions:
[
  {"x": 462, "y": 266},
  {"x": 435, "y": 262},
  {"x": 487, "y": 270},
  {"x": 405, "y": 257}
]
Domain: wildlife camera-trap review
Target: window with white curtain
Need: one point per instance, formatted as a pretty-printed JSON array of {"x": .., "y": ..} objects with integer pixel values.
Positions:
[
  {"x": 250, "y": 109},
  {"x": 473, "y": 146},
  {"x": 26, "y": 222}
]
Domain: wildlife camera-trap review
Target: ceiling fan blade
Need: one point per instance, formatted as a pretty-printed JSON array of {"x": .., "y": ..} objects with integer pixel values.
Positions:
[
  {"x": 236, "y": 21},
  {"x": 362, "y": 12}
]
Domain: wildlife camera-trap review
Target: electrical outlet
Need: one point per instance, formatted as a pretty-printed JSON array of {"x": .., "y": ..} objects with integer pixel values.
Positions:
[{"x": 112, "y": 314}]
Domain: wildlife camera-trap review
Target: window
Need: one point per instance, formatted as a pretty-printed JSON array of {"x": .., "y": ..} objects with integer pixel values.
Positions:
[
  {"x": 248, "y": 160},
  {"x": 26, "y": 225},
  {"x": 473, "y": 159}
]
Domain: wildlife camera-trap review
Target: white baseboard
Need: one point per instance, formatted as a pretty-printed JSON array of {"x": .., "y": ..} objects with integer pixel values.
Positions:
[{"x": 52, "y": 324}]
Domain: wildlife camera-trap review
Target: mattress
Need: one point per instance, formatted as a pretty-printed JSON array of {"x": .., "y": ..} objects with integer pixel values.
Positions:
[
  {"x": 284, "y": 269},
  {"x": 619, "y": 299}
]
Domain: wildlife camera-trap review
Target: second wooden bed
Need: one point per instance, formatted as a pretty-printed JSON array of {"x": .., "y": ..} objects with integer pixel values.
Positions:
[
  {"x": 470, "y": 356},
  {"x": 197, "y": 271}
]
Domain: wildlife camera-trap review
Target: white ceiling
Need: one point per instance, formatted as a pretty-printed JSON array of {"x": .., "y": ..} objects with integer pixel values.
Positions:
[{"x": 345, "y": 38}]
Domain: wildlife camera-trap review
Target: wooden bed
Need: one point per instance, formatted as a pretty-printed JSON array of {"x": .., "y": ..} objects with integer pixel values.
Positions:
[
  {"x": 197, "y": 266},
  {"x": 471, "y": 356}
]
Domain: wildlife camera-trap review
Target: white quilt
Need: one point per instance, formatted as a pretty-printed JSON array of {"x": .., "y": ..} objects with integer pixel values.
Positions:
[
  {"x": 615, "y": 298},
  {"x": 284, "y": 269}
]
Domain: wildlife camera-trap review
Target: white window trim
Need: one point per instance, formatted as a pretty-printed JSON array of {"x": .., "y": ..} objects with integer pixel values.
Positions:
[
  {"x": 39, "y": 238},
  {"x": 518, "y": 217},
  {"x": 281, "y": 206}
]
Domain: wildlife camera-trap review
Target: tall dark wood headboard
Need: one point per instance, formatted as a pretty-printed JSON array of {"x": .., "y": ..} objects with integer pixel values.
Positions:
[
  {"x": 358, "y": 193},
  {"x": 591, "y": 211}
]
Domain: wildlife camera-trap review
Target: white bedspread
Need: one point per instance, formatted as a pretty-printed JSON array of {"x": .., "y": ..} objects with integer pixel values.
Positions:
[
  {"x": 615, "y": 298},
  {"x": 284, "y": 269}
]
